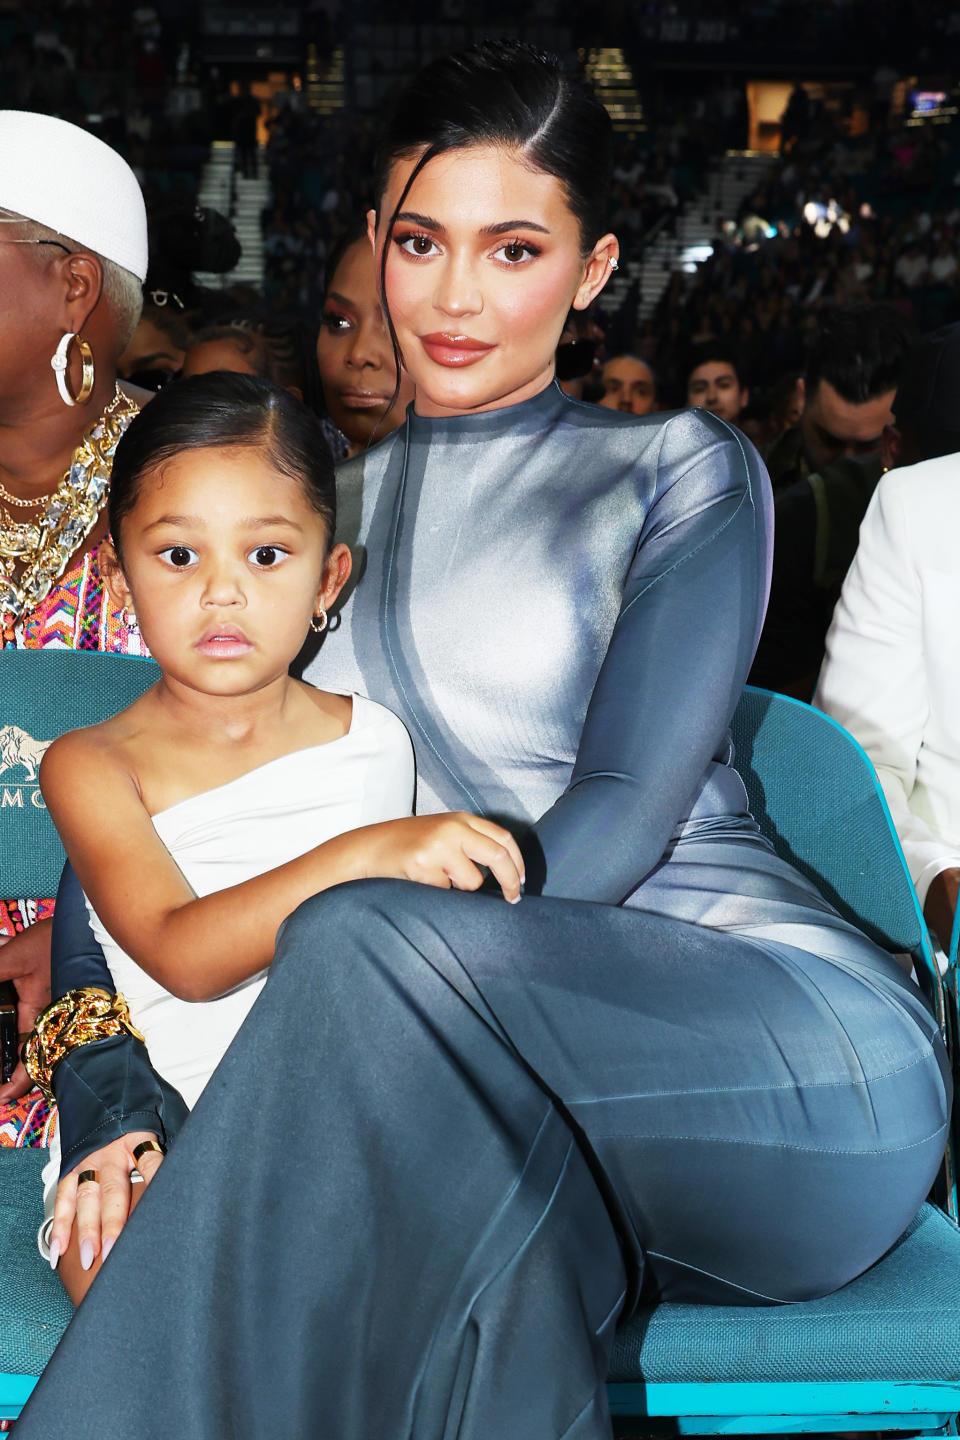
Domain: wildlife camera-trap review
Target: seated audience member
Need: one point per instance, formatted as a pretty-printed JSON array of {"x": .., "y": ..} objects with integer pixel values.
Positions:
[
  {"x": 72, "y": 271},
  {"x": 238, "y": 346},
  {"x": 715, "y": 382},
  {"x": 355, "y": 355},
  {"x": 890, "y": 674},
  {"x": 630, "y": 385},
  {"x": 832, "y": 459},
  {"x": 847, "y": 390}
]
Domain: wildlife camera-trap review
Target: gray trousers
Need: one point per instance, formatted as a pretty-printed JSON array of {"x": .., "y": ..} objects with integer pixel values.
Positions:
[{"x": 452, "y": 1138}]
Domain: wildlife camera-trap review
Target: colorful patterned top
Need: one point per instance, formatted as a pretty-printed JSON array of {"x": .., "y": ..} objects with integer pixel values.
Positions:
[{"x": 78, "y": 614}]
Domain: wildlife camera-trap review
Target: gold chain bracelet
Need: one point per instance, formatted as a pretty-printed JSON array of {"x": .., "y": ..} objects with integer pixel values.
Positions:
[{"x": 77, "y": 1018}]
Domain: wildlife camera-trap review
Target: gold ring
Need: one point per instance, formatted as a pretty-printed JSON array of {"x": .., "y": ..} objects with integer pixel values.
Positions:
[
  {"x": 87, "y": 1177},
  {"x": 146, "y": 1145}
]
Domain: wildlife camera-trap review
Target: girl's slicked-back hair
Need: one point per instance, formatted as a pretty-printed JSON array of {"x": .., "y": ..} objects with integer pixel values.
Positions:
[
  {"x": 214, "y": 411},
  {"x": 505, "y": 92}
]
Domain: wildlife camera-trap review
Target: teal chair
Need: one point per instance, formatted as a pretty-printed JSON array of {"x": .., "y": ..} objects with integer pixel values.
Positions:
[
  {"x": 883, "y": 1353},
  {"x": 42, "y": 694}
]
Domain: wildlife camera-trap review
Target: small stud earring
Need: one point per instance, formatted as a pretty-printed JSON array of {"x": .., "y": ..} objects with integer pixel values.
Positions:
[{"x": 613, "y": 262}]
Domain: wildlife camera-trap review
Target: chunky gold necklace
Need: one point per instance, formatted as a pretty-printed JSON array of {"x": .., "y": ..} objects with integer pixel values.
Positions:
[
  {"x": 39, "y": 549},
  {"x": 8, "y": 499}
]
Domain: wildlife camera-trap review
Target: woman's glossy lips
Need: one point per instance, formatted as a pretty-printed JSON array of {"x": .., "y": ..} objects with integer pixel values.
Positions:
[
  {"x": 362, "y": 399},
  {"x": 454, "y": 350},
  {"x": 224, "y": 642}
]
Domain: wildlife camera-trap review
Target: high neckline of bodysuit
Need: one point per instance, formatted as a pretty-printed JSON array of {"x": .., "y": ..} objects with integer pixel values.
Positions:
[{"x": 526, "y": 415}]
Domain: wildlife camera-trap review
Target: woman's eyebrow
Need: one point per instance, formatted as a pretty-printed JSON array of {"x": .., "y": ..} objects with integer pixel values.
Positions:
[
  {"x": 412, "y": 218},
  {"x": 340, "y": 299},
  {"x": 504, "y": 227}
]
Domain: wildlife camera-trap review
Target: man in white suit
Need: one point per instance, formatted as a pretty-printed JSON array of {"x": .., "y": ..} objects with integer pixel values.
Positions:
[{"x": 891, "y": 673}]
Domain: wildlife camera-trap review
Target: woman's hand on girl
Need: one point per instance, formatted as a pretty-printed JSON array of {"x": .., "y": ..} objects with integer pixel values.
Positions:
[
  {"x": 443, "y": 850},
  {"x": 101, "y": 1208}
]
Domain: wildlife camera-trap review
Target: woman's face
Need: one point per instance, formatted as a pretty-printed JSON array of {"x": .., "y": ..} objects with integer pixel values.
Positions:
[
  {"x": 355, "y": 355},
  {"x": 483, "y": 266}
]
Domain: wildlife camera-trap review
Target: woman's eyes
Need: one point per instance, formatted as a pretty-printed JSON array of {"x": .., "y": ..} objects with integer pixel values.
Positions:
[
  {"x": 179, "y": 556},
  {"x": 419, "y": 245},
  {"x": 514, "y": 252},
  {"x": 336, "y": 323}
]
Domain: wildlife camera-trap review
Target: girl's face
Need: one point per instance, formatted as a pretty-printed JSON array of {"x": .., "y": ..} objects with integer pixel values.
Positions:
[
  {"x": 355, "y": 355},
  {"x": 224, "y": 563},
  {"x": 483, "y": 266}
]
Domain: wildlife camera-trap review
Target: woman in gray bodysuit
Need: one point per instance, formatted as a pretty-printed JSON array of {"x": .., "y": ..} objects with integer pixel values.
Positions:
[{"x": 672, "y": 1067}]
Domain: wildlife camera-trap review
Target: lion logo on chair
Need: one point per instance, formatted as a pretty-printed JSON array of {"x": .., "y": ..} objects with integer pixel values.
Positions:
[{"x": 19, "y": 748}]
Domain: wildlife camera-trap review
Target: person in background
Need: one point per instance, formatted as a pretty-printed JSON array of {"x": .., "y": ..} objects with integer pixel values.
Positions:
[
  {"x": 71, "y": 269},
  {"x": 827, "y": 466},
  {"x": 890, "y": 673},
  {"x": 630, "y": 385},
  {"x": 715, "y": 382},
  {"x": 358, "y": 368},
  {"x": 156, "y": 349},
  {"x": 847, "y": 390}
]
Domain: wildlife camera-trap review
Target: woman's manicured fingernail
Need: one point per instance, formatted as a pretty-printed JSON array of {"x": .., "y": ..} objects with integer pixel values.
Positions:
[
  {"x": 86, "y": 1254},
  {"x": 54, "y": 1253},
  {"x": 516, "y": 900},
  {"x": 108, "y": 1245}
]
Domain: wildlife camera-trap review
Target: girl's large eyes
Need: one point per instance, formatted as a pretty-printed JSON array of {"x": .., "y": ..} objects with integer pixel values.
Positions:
[
  {"x": 419, "y": 245},
  {"x": 267, "y": 557},
  {"x": 516, "y": 251},
  {"x": 179, "y": 556}
]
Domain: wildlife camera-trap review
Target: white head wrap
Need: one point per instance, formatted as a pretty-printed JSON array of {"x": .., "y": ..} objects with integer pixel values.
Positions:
[{"x": 65, "y": 178}]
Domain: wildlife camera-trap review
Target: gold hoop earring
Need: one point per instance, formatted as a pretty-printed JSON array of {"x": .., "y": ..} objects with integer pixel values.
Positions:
[
  {"x": 319, "y": 622},
  {"x": 58, "y": 363}
]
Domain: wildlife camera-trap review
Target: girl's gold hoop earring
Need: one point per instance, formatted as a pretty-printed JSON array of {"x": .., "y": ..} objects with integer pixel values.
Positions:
[
  {"x": 319, "y": 622},
  {"x": 58, "y": 363}
]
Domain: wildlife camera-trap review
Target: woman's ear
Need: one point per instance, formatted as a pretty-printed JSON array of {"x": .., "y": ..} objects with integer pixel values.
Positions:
[
  {"x": 336, "y": 573},
  {"x": 82, "y": 275},
  {"x": 372, "y": 229},
  {"x": 113, "y": 576},
  {"x": 604, "y": 259}
]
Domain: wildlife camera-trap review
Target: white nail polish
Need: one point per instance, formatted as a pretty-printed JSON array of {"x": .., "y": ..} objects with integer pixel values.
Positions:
[
  {"x": 108, "y": 1245},
  {"x": 54, "y": 1253},
  {"x": 515, "y": 901},
  {"x": 86, "y": 1254}
]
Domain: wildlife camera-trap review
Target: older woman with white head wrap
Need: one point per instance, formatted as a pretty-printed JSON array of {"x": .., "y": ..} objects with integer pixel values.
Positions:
[{"x": 73, "y": 256}]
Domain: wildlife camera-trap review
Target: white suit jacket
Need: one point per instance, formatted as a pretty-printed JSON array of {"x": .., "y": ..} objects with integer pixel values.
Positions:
[{"x": 892, "y": 669}]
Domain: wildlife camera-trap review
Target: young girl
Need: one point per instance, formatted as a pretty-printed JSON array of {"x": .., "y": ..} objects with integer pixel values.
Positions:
[{"x": 233, "y": 791}]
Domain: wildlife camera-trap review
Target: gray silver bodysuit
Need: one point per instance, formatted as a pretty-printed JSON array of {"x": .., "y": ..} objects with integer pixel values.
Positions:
[{"x": 671, "y": 1067}]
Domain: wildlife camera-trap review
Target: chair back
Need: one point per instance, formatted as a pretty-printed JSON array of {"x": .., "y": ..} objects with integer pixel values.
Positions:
[
  {"x": 44, "y": 693},
  {"x": 815, "y": 795}
]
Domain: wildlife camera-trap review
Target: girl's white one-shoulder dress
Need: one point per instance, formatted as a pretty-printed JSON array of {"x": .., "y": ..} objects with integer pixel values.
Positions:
[{"x": 232, "y": 833}]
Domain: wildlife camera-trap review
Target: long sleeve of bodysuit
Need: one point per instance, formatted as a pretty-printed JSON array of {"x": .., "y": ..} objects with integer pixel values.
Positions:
[
  {"x": 108, "y": 1087},
  {"x": 677, "y": 661}
]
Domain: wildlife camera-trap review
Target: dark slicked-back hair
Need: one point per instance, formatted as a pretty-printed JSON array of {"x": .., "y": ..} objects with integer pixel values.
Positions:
[
  {"x": 218, "y": 410},
  {"x": 860, "y": 350},
  {"x": 501, "y": 92},
  {"x": 505, "y": 92}
]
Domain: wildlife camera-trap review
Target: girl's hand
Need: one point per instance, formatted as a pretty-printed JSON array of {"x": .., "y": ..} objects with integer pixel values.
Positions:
[
  {"x": 100, "y": 1209},
  {"x": 442, "y": 850}
]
